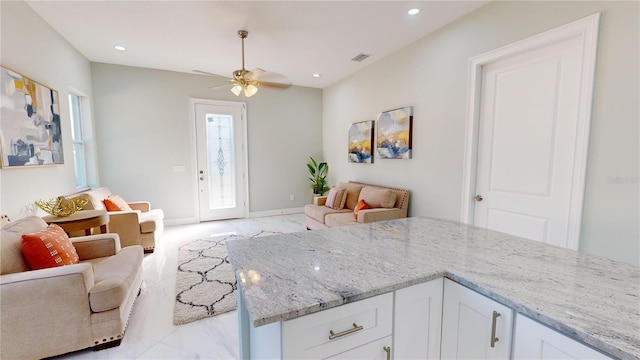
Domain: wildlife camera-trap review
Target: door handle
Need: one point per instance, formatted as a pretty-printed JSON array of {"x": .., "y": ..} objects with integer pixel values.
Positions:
[
  {"x": 387, "y": 349},
  {"x": 478, "y": 198}
]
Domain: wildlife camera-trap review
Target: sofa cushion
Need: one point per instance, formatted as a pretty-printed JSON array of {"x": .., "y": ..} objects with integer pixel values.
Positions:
[
  {"x": 336, "y": 198},
  {"x": 340, "y": 219},
  {"x": 362, "y": 205},
  {"x": 113, "y": 276},
  {"x": 116, "y": 203},
  {"x": 353, "y": 191},
  {"x": 96, "y": 196},
  {"x": 378, "y": 197},
  {"x": 318, "y": 212},
  {"x": 11, "y": 258},
  {"x": 49, "y": 247}
]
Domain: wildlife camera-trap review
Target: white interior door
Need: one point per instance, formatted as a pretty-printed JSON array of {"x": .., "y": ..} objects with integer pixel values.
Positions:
[
  {"x": 220, "y": 134},
  {"x": 532, "y": 136}
]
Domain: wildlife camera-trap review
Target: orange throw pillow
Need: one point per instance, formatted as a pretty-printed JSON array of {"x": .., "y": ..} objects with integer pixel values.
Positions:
[
  {"x": 48, "y": 248},
  {"x": 362, "y": 205},
  {"x": 116, "y": 203}
]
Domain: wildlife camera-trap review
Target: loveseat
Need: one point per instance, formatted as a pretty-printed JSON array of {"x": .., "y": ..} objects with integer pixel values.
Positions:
[
  {"x": 56, "y": 310},
  {"x": 384, "y": 203},
  {"x": 139, "y": 226}
]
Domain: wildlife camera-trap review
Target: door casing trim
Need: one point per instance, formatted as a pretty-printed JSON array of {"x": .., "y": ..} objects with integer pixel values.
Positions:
[
  {"x": 585, "y": 28},
  {"x": 194, "y": 150}
]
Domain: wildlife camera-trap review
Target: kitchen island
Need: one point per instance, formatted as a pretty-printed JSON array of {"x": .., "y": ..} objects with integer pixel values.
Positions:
[{"x": 591, "y": 299}]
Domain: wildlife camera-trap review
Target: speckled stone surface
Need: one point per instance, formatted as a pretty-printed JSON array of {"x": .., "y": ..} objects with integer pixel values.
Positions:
[{"x": 590, "y": 298}]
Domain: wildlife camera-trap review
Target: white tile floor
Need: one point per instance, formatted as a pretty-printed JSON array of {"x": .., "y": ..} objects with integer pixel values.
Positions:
[{"x": 150, "y": 333}]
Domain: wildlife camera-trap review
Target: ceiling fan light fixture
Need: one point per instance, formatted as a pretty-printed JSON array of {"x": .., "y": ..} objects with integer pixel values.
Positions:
[
  {"x": 250, "y": 90},
  {"x": 236, "y": 89}
]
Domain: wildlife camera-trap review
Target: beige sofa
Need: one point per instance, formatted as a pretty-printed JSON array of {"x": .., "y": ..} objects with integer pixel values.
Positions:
[
  {"x": 319, "y": 216},
  {"x": 54, "y": 311},
  {"x": 141, "y": 226}
]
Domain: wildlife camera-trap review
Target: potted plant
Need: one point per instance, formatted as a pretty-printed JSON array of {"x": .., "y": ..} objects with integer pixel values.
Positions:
[{"x": 318, "y": 177}]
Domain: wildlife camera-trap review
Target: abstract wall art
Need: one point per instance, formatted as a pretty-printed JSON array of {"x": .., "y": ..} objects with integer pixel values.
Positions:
[
  {"x": 395, "y": 133},
  {"x": 30, "y": 132},
  {"x": 361, "y": 142}
]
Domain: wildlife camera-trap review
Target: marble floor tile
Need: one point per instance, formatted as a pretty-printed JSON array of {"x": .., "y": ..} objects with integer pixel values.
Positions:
[{"x": 151, "y": 333}]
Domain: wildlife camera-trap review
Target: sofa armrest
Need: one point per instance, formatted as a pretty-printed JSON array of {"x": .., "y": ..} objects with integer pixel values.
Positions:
[
  {"x": 319, "y": 200},
  {"x": 96, "y": 246},
  {"x": 47, "y": 278},
  {"x": 143, "y": 206},
  {"x": 39, "y": 303},
  {"x": 127, "y": 225},
  {"x": 380, "y": 214}
]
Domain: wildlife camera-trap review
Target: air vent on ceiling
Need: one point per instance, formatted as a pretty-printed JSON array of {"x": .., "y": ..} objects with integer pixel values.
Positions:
[{"x": 360, "y": 57}]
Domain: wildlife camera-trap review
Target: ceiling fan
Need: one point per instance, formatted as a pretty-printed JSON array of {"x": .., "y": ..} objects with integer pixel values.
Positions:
[{"x": 247, "y": 82}]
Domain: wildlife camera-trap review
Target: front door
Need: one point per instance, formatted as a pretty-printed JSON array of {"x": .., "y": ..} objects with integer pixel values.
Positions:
[
  {"x": 220, "y": 129},
  {"x": 530, "y": 155}
]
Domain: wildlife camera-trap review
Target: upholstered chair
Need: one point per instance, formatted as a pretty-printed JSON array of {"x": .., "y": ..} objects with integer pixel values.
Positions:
[{"x": 60, "y": 309}]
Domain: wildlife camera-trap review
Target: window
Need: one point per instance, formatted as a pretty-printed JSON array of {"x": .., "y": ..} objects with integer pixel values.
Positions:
[{"x": 77, "y": 134}]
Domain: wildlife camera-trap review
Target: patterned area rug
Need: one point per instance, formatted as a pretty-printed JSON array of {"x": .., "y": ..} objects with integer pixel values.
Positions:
[{"x": 205, "y": 284}]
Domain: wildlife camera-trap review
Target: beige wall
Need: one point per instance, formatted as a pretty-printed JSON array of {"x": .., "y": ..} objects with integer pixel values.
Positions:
[
  {"x": 431, "y": 75},
  {"x": 144, "y": 130},
  {"x": 31, "y": 47}
]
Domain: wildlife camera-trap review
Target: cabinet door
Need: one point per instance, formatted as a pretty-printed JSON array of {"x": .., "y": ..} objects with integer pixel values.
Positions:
[
  {"x": 536, "y": 341},
  {"x": 470, "y": 328},
  {"x": 417, "y": 321},
  {"x": 374, "y": 351}
]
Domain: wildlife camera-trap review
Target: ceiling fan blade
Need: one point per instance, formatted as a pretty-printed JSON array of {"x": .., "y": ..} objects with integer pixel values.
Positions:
[
  {"x": 269, "y": 77},
  {"x": 208, "y": 73},
  {"x": 274, "y": 85}
]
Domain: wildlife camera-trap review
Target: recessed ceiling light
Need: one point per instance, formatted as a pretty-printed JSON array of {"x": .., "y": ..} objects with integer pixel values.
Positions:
[
  {"x": 316, "y": 75},
  {"x": 119, "y": 47},
  {"x": 414, "y": 11}
]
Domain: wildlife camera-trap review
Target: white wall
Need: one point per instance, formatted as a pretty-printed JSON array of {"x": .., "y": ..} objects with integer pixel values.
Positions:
[
  {"x": 31, "y": 47},
  {"x": 143, "y": 130},
  {"x": 431, "y": 75}
]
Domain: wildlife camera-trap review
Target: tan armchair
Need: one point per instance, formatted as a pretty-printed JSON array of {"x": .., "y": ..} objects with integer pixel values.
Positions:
[
  {"x": 141, "y": 226},
  {"x": 57, "y": 310}
]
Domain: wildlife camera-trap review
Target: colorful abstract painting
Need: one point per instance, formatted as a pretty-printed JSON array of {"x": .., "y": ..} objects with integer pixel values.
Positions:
[
  {"x": 361, "y": 142},
  {"x": 30, "y": 132},
  {"x": 394, "y": 134}
]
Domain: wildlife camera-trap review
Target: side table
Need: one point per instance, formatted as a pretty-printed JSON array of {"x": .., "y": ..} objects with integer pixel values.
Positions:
[{"x": 81, "y": 220}]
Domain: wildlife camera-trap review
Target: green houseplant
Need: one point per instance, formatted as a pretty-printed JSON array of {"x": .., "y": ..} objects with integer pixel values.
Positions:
[{"x": 318, "y": 177}]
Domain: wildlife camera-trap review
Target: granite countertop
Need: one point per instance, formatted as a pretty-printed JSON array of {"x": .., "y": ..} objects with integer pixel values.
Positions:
[{"x": 590, "y": 298}]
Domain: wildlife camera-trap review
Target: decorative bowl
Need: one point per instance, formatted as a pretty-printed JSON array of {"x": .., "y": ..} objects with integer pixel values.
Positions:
[{"x": 62, "y": 206}]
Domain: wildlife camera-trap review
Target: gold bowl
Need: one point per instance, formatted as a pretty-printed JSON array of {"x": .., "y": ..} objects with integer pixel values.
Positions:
[{"x": 62, "y": 206}]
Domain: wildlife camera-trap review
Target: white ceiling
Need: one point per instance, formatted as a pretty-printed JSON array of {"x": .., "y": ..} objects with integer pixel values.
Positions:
[{"x": 294, "y": 38}]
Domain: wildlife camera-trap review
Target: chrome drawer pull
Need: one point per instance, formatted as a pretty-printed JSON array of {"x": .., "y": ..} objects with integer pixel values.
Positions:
[{"x": 355, "y": 328}]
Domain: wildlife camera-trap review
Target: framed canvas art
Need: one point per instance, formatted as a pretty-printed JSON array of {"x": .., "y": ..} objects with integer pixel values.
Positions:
[
  {"x": 361, "y": 142},
  {"x": 395, "y": 134},
  {"x": 30, "y": 132}
]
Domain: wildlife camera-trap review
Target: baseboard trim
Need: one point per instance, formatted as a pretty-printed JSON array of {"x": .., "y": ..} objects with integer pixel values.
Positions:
[{"x": 257, "y": 214}]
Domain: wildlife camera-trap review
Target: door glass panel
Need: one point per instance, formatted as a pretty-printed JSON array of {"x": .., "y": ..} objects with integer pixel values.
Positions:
[{"x": 220, "y": 161}]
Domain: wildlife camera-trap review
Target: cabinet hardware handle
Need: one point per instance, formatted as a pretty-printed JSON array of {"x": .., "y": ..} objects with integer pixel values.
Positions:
[
  {"x": 355, "y": 328},
  {"x": 387, "y": 349},
  {"x": 494, "y": 339}
]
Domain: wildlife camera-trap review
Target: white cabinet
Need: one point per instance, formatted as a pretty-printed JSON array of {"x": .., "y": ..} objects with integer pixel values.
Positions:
[
  {"x": 417, "y": 320},
  {"x": 474, "y": 326},
  {"x": 536, "y": 341}
]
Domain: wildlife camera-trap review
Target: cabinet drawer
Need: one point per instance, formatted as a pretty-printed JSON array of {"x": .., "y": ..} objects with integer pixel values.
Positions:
[
  {"x": 371, "y": 351},
  {"x": 308, "y": 336}
]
